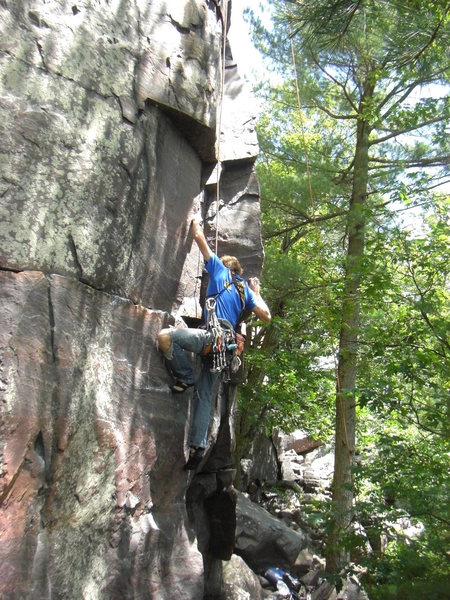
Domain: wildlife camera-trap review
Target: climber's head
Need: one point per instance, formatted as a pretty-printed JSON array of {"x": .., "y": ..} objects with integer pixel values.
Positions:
[{"x": 232, "y": 263}]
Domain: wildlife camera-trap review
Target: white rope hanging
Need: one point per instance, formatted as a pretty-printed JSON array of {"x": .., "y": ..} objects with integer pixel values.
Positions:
[{"x": 219, "y": 120}]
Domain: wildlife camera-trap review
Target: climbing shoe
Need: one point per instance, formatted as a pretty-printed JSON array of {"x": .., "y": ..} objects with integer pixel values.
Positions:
[
  {"x": 180, "y": 386},
  {"x": 195, "y": 458}
]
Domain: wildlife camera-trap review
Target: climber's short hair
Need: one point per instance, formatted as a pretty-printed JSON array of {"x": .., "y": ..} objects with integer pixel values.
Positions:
[{"x": 232, "y": 263}]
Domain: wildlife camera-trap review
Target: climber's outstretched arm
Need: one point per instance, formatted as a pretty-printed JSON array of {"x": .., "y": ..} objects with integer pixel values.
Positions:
[
  {"x": 200, "y": 239},
  {"x": 262, "y": 311}
]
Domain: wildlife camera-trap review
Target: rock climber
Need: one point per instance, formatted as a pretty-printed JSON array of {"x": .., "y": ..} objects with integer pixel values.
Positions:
[{"x": 174, "y": 341}]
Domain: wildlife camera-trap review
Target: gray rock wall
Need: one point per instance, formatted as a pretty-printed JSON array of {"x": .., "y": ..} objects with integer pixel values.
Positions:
[{"x": 108, "y": 124}]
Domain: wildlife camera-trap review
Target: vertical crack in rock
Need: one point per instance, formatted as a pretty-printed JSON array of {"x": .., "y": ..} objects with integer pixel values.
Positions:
[
  {"x": 127, "y": 171},
  {"x": 41, "y": 53},
  {"x": 39, "y": 447},
  {"x": 39, "y": 579},
  {"x": 54, "y": 404},
  {"x": 172, "y": 86},
  {"x": 73, "y": 250},
  {"x": 51, "y": 318}
]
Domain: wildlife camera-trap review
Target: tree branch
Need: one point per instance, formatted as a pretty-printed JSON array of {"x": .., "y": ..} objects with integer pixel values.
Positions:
[
  {"x": 402, "y": 98},
  {"x": 399, "y": 88},
  {"x": 306, "y": 221},
  {"x": 424, "y": 315},
  {"x": 436, "y": 161},
  {"x": 333, "y": 115},
  {"x": 394, "y": 134},
  {"x": 336, "y": 81},
  {"x": 431, "y": 39},
  {"x": 432, "y": 515}
]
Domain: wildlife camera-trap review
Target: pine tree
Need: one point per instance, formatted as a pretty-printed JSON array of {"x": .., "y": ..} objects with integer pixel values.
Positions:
[{"x": 366, "y": 66}]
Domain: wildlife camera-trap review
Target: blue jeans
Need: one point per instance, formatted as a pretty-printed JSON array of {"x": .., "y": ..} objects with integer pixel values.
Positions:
[{"x": 193, "y": 340}]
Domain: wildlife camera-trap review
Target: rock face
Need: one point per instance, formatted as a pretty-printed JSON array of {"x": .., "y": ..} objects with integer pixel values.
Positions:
[{"x": 109, "y": 116}]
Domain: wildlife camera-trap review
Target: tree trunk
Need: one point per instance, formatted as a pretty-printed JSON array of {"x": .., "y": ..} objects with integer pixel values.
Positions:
[{"x": 342, "y": 492}]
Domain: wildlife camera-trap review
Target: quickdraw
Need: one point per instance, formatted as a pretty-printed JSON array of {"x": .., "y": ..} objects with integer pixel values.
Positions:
[{"x": 224, "y": 340}]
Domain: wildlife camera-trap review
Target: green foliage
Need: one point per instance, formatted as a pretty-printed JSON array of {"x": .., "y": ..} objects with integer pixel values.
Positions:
[
  {"x": 404, "y": 354},
  {"x": 291, "y": 395},
  {"x": 386, "y": 65},
  {"x": 398, "y": 52},
  {"x": 404, "y": 399},
  {"x": 409, "y": 570}
]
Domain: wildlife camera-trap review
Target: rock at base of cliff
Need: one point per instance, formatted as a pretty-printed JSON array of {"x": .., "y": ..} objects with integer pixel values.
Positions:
[
  {"x": 264, "y": 541},
  {"x": 239, "y": 581}
]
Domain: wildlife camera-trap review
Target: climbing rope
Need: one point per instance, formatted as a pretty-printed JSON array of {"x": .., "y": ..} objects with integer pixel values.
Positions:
[
  {"x": 197, "y": 306},
  {"x": 218, "y": 135},
  {"x": 219, "y": 120}
]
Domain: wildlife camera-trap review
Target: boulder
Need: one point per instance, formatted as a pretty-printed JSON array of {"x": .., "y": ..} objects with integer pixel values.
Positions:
[
  {"x": 311, "y": 578},
  {"x": 298, "y": 440},
  {"x": 352, "y": 590},
  {"x": 290, "y": 465},
  {"x": 264, "y": 541},
  {"x": 239, "y": 581},
  {"x": 303, "y": 562},
  {"x": 325, "y": 591},
  {"x": 260, "y": 464},
  {"x": 318, "y": 469}
]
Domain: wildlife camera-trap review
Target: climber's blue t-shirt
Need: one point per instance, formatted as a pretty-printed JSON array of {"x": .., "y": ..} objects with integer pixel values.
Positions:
[{"x": 228, "y": 302}]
